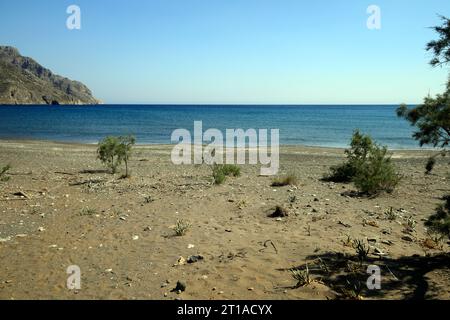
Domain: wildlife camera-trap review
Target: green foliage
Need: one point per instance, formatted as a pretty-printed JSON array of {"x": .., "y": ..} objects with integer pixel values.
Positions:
[
  {"x": 221, "y": 171},
  {"x": 440, "y": 221},
  {"x": 112, "y": 151},
  {"x": 432, "y": 118},
  {"x": 360, "y": 147},
  {"x": 377, "y": 173},
  {"x": 441, "y": 47},
  {"x": 3, "y": 172},
  {"x": 368, "y": 166}
]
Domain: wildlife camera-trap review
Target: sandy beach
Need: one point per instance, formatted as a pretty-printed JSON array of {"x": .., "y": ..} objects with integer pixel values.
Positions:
[{"x": 61, "y": 207}]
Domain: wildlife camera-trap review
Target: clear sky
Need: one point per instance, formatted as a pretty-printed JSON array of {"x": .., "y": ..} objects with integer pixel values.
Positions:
[{"x": 234, "y": 51}]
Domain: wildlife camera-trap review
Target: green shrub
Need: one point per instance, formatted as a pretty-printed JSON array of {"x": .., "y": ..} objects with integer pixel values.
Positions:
[
  {"x": 221, "y": 171},
  {"x": 360, "y": 147},
  {"x": 288, "y": 180},
  {"x": 231, "y": 170},
  {"x": 377, "y": 173},
  {"x": 368, "y": 166},
  {"x": 112, "y": 151},
  {"x": 440, "y": 221}
]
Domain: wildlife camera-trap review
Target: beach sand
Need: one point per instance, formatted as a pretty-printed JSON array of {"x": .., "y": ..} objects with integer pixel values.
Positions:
[{"x": 120, "y": 231}]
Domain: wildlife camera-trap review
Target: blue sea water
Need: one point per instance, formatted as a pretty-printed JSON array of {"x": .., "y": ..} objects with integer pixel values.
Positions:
[{"x": 324, "y": 125}]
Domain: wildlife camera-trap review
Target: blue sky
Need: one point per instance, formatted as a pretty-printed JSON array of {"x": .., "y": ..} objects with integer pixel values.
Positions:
[{"x": 234, "y": 51}]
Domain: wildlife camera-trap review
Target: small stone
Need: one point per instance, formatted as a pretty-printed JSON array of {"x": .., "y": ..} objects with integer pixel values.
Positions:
[
  {"x": 147, "y": 229},
  {"x": 181, "y": 261},
  {"x": 193, "y": 259},
  {"x": 251, "y": 289},
  {"x": 180, "y": 287},
  {"x": 41, "y": 229},
  {"x": 135, "y": 237},
  {"x": 190, "y": 246}
]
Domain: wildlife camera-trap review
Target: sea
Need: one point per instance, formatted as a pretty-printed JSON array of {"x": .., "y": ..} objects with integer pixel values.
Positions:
[{"x": 306, "y": 125}]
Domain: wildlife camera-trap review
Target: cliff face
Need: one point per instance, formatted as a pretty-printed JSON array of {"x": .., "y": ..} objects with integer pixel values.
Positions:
[{"x": 24, "y": 81}]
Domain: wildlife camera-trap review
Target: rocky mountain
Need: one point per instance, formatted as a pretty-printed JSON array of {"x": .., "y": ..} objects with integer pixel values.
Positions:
[{"x": 24, "y": 81}]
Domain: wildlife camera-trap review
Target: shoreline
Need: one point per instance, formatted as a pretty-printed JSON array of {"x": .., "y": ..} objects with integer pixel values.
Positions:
[{"x": 7, "y": 141}]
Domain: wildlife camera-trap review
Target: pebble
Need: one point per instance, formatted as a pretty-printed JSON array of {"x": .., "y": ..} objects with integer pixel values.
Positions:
[
  {"x": 135, "y": 237},
  {"x": 193, "y": 259},
  {"x": 181, "y": 261},
  {"x": 180, "y": 287}
]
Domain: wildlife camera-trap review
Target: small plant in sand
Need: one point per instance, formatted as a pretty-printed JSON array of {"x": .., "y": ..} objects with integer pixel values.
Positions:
[
  {"x": 292, "y": 199},
  {"x": 148, "y": 199},
  {"x": 3, "y": 173},
  {"x": 362, "y": 250},
  {"x": 181, "y": 228},
  {"x": 302, "y": 277},
  {"x": 391, "y": 214},
  {"x": 368, "y": 166},
  {"x": 434, "y": 240},
  {"x": 87, "y": 212},
  {"x": 221, "y": 171},
  {"x": 288, "y": 180},
  {"x": 352, "y": 291},
  {"x": 348, "y": 242},
  {"x": 112, "y": 151},
  {"x": 411, "y": 223}
]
